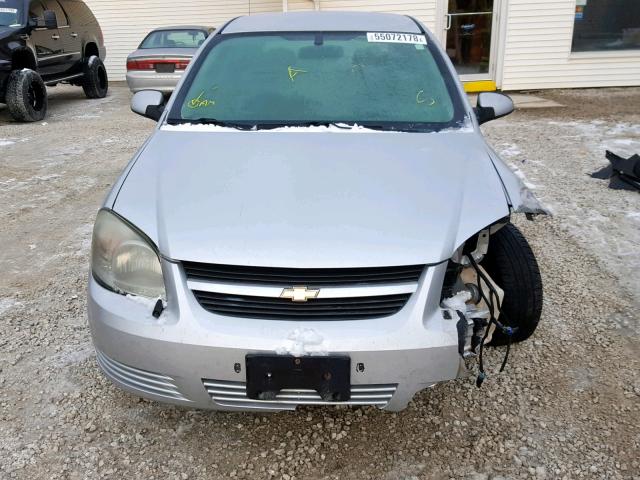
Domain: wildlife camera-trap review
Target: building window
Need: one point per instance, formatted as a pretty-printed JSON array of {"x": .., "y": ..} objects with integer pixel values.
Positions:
[{"x": 602, "y": 25}]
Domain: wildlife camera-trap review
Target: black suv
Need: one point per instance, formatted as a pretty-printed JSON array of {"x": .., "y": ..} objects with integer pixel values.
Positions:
[{"x": 46, "y": 42}]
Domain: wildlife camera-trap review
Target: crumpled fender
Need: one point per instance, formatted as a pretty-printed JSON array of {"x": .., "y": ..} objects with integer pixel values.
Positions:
[{"x": 519, "y": 197}]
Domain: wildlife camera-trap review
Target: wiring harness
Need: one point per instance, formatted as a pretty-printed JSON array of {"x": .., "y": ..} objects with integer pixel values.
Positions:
[{"x": 493, "y": 301}]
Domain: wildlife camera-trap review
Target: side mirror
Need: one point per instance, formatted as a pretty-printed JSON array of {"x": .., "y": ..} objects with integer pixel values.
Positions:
[
  {"x": 492, "y": 105},
  {"x": 148, "y": 103},
  {"x": 50, "y": 20}
]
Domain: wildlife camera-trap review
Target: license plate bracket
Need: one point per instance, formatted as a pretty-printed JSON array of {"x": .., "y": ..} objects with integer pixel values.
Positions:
[
  {"x": 165, "y": 67},
  {"x": 267, "y": 375}
]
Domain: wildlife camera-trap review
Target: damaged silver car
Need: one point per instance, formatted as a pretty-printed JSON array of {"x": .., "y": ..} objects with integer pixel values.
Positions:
[{"x": 316, "y": 220}]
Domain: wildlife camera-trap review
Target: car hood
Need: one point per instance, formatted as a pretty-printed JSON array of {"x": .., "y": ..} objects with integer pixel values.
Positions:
[
  {"x": 163, "y": 52},
  {"x": 6, "y": 32},
  {"x": 312, "y": 199}
]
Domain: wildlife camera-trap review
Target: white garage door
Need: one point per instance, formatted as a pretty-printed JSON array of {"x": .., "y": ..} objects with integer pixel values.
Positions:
[{"x": 126, "y": 22}]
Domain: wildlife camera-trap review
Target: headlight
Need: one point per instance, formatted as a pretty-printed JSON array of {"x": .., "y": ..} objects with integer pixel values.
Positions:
[{"x": 123, "y": 259}]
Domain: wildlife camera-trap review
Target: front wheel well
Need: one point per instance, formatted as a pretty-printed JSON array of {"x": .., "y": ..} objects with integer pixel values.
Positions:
[
  {"x": 90, "y": 50},
  {"x": 23, "y": 59}
]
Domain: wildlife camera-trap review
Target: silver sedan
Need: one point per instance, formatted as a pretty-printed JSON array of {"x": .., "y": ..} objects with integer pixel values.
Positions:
[
  {"x": 316, "y": 220},
  {"x": 163, "y": 56}
]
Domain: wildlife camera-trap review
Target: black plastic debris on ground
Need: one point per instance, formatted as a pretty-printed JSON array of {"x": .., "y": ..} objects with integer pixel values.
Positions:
[{"x": 624, "y": 173}]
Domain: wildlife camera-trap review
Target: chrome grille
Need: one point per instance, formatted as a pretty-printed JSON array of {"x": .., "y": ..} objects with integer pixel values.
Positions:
[
  {"x": 234, "y": 394},
  {"x": 139, "y": 380},
  {"x": 312, "y": 277},
  {"x": 342, "y": 308}
]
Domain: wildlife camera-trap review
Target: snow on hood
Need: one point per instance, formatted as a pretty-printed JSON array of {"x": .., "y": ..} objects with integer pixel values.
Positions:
[
  {"x": 335, "y": 128},
  {"x": 310, "y": 199}
]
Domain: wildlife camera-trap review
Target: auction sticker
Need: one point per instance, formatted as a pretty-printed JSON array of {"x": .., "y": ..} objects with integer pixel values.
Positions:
[{"x": 390, "y": 37}]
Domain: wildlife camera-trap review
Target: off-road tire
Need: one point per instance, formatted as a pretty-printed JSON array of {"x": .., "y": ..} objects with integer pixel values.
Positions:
[
  {"x": 26, "y": 96},
  {"x": 513, "y": 266},
  {"x": 95, "y": 81}
]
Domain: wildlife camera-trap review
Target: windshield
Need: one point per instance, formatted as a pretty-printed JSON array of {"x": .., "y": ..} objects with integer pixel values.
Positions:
[
  {"x": 174, "y": 39},
  {"x": 10, "y": 13},
  {"x": 393, "y": 82}
]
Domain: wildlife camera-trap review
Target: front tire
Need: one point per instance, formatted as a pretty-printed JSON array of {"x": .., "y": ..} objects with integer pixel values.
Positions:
[
  {"x": 26, "y": 96},
  {"x": 95, "y": 82},
  {"x": 512, "y": 265}
]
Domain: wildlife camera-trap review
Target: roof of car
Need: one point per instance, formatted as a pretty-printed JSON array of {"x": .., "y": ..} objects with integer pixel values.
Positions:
[
  {"x": 323, "y": 21},
  {"x": 183, "y": 27}
]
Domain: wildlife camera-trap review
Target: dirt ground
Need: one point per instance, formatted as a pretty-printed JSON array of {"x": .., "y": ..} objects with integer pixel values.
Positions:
[{"x": 568, "y": 405}]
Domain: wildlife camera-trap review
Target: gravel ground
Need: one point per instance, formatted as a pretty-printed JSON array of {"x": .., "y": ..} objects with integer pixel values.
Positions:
[{"x": 568, "y": 405}]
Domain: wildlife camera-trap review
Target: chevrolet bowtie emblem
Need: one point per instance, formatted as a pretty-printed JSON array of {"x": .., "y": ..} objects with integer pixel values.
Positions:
[{"x": 299, "y": 294}]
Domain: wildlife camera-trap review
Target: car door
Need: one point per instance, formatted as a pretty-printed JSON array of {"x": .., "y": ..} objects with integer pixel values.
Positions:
[
  {"x": 45, "y": 42},
  {"x": 71, "y": 33},
  {"x": 69, "y": 38}
]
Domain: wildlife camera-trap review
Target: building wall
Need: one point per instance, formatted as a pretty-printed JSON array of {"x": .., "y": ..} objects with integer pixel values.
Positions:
[
  {"x": 537, "y": 51},
  {"x": 536, "y": 36},
  {"x": 423, "y": 10},
  {"x": 126, "y": 22}
]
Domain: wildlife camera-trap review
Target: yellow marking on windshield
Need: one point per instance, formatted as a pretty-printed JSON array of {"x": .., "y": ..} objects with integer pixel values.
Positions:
[
  {"x": 293, "y": 72},
  {"x": 420, "y": 99},
  {"x": 200, "y": 102}
]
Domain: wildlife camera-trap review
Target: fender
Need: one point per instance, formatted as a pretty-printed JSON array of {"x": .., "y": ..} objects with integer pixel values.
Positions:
[
  {"x": 28, "y": 51},
  {"x": 519, "y": 197},
  {"x": 90, "y": 39}
]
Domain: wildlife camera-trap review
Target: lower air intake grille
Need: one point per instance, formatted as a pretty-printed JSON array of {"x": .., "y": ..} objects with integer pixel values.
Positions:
[
  {"x": 139, "y": 380},
  {"x": 234, "y": 394},
  {"x": 313, "y": 277},
  {"x": 343, "y": 308}
]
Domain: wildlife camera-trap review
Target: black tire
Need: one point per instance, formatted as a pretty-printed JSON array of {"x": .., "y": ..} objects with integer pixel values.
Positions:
[
  {"x": 95, "y": 82},
  {"x": 513, "y": 266},
  {"x": 26, "y": 96}
]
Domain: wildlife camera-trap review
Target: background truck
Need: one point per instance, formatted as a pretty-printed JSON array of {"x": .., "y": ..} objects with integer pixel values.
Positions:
[{"x": 43, "y": 43}]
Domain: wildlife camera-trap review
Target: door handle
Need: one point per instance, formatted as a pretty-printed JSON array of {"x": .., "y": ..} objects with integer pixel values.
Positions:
[
  {"x": 463, "y": 14},
  {"x": 74, "y": 35},
  {"x": 55, "y": 37}
]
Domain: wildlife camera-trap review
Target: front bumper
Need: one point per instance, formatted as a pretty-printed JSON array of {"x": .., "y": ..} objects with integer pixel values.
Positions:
[
  {"x": 195, "y": 358},
  {"x": 162, "y": 82}
]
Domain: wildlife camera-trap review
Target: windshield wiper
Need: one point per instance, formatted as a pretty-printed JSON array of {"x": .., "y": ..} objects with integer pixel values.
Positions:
[
  {"x": 341, "y": 125},
  {"x": 274, "y": 125},
  {"x": 348, "y": 125},
  {"x": 209, "y": 121},
  {"x": 389, "y": 127}
]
